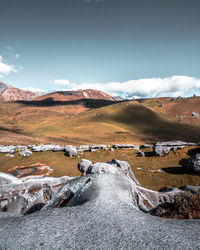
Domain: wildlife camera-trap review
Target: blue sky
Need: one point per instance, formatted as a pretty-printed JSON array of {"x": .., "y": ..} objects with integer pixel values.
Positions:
[{"x": 50, "y": 44}]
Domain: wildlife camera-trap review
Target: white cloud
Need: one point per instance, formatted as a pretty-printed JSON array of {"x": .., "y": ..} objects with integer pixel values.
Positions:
[
  {"x": 17, "y": 56},
  {"x": 62, "y": 82},
  {"x": 6, "y": 69},
  {"x": 149, "y": 87}
]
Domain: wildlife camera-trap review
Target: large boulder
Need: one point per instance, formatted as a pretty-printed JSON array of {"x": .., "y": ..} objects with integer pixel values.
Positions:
[
  {"x": 84, "y": 165},
  {"x": 124, "y": 168},
  {"x": 163, "y": 148},
  {"x": 141, "y": 154},
  {"x": 70, "y": 151},
  {"x": 193, "y": 164},
  {"x": 101, "y": 167}
]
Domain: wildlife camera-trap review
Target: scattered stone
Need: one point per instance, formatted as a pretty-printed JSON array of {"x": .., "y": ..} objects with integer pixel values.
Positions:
[
  {"x": 25, "y": 153},
  {"x": 10, "y": 155},
  {"x": 195, "y": 115},
  {"x": 141, "y": 154}
]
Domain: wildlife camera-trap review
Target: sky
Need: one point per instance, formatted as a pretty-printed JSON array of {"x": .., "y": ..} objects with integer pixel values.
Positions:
[{"x": 131, "y": 48}]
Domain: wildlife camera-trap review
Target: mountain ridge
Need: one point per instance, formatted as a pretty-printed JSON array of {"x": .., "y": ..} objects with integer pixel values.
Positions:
[{"x": 10, "y": 93}]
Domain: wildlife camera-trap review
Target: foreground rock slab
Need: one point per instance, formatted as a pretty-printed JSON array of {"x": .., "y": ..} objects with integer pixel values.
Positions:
[
  {"x": 106, "y": 208},
  {"x": 102, "y": 216}
]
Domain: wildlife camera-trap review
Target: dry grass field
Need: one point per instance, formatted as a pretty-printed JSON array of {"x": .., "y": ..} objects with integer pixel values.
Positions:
[
  {"x": 146, "y": 169},
  {"x": 104, "y": 122},
  {"x": 97, "y": 121}
]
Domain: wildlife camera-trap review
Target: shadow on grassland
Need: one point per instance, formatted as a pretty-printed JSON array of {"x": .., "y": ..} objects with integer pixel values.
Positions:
[{"x": 88, "y": 103}]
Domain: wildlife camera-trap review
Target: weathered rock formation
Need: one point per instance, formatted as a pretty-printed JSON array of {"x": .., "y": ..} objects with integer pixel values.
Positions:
[
  {"x": 106, "y": 209},
  {"x": 18, "y": 195},
  {"x": 163, "y": 148}
]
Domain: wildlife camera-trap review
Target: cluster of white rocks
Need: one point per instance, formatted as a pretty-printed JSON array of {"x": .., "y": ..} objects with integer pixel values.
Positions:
[
  {"x": 69, "y": 149},
  {"x": 159, "y": 148}
]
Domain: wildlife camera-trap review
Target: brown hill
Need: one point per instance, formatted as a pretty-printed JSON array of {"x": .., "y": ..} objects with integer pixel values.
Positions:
[
  {"x": 9, "y": 93},
  {"x": 76, "y": 95}
]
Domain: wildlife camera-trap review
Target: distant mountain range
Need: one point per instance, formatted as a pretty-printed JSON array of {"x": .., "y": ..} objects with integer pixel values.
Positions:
[{"x": 10, "y": 93}]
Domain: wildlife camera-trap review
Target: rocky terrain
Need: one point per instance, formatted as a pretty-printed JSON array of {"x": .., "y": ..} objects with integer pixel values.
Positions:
[
  {"x": 105, "y": 208},
  {"x": 159, "y": 148},
  {"x": 9, "y": 93}
]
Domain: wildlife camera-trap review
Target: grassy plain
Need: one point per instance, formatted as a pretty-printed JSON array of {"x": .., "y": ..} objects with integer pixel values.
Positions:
[{"x": 173, "y": 175}]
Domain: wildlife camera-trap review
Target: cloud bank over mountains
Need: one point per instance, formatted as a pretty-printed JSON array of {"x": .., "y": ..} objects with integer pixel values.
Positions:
[
  {"x": 6, "y": 69},
  {"x": 150, "y": 87}
]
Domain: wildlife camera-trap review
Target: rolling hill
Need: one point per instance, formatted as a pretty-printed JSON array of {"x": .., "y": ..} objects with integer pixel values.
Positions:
[{"x": 92, "y": 121}]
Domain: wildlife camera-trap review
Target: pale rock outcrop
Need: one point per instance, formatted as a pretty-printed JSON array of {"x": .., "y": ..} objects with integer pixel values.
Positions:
[
  {"x": 7, "y": 149},
  {"x": 70, "y": 151},
  {"x": 193, "y": 164},
  {"x": 84, "y": 165},
  {"x": 163, "y": 148},
  {"x": 25, "y": 153}
]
